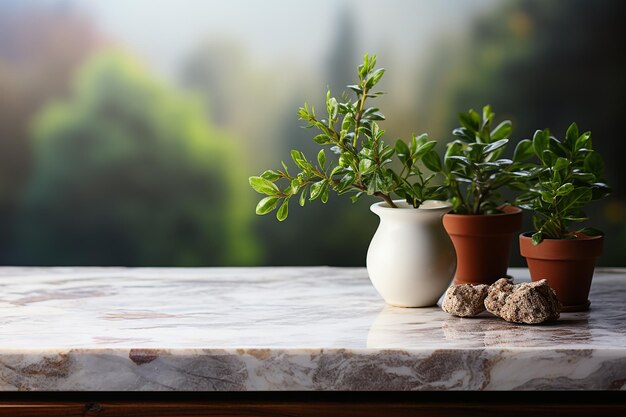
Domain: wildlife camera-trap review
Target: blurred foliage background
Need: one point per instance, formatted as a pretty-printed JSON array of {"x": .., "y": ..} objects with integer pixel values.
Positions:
[{"x": 128, "y": 129}]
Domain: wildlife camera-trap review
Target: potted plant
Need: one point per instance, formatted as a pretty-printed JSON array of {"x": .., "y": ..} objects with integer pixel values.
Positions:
[
  {"x": 410, "y": 260},
  {"x": 481, "y": 226},
  {"x": 567, "y": 176}
]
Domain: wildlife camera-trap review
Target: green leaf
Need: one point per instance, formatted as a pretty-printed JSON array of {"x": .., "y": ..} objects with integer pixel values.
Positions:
[
  {"x": 547, "y": 197},
  {"x": 600, "y": 190},
  {"x": 571, "y": 136},
  {"x": 594, "y": 163},
  {"x": 374, "y": 184},
  {"x": 271, "y": 175},
  {"x": 302, "y": 199},
  {"x": 346, "y": 159},
  {"x": 298, "y": 159},
  {"x": 464, "y": 134},
  {"x": 348, "y": 123},
  {"x": 266, "y": 205},
  {"x": 560, "y": 164},
  {"x": 500, "y": 163},
  {"x": 558, "y": 148},
  {"x": 487, "y": 114},
  {"x": 540, "y": 142},
  {"x": 574, "y": 218},
  {"x": 283, "y": 211},
  {"x": 332, "y": 108},
  {"x": 565, "y": 189},
  {"x": 537, "y": 238},
  {"x": 324, "y": 194},
  {"x": 386, "y": 151},
  {"x": 321, "y": 158},
  {"x": 413, "y": 145},
  {"x": 366, "y": 152},
  {"x": 523, "y": 150},
  {"x": 357, "y": 89},
  {"x": 584, "y": 177},
  {"x": 484, "y": 133},
  {"x": 436, "y": 192},
  {"x": 583, "y": 141},
  {"x": 575, "y": 198},
  {"x": 346, "y": 181},
  {"x": 374, "y": 116},
  {"x": 548, "y": 157},
  {"x": 461, "y": 159},
  {"x": 354, "y": 198},
  {"x": 421, "y": 139},
  {"x": 374, "y": 78},
  {"x": 503, "y": 130},
  {"x": 432, "y": 161},
  {"x": 338, "y": 170},
  {"x": 590, "y": 231},
  {"x": 402, "y": 150},
  {"x": 263, "y": 186},
  {"x": 424, "y": 149},
  {"x": 316, "y": 189},
  {"x": 345, "y": 108},
  {"x": 366, "y": 166},
  {"x": 470, "y": 121},
  {"x": 518, "y": 186},
  {"x": 294, "y": 186},
  {"x": 461, "y": 177},
  {"x": 475, "y": 151},
  {"x": 387, "y": 181},
  {"x": 494, "y": 146},
  {"x": 368, "y": 111},
  {"x": 454, "y": 149},
  {"x": 322, "y": 139}
]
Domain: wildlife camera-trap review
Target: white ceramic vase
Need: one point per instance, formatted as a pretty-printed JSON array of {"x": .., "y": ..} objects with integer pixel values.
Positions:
[{"x": 411, "y": 260}]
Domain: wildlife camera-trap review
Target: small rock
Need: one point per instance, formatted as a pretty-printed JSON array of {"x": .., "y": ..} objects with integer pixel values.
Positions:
[
  {"x": 497, "y": 294},
  {"x": 465, "y": 299},
  {"x": 529, "y": 303}
]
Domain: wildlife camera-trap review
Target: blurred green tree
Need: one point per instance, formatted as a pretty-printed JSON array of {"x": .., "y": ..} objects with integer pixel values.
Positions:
[
  {"x": 231, "y": 84},
  {"x": 41, "y": 45},
  {"x": 128, "y": 172}
]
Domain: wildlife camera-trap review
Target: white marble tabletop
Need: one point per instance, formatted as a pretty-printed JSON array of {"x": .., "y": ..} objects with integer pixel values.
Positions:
[{"x": 319, "y": 328}]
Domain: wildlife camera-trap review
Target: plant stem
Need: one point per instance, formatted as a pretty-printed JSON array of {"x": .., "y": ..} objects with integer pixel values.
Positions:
[
  {"x": 359, "y": 114},
  {"x": 387, "y": 199},
  {"x": 359, "y": 187},
  {"x": 459, "y": 193}
]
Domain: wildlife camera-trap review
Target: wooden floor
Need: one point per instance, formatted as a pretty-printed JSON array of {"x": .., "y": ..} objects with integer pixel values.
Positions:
[{"x": 315, "y": 404}]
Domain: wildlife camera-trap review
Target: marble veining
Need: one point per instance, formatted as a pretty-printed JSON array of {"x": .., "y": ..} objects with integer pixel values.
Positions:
[{"x": 285, "y": 328}]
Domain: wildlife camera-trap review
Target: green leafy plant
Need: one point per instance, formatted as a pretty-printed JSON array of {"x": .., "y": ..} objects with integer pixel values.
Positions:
[
  {"x": 473, "y": 169},
  {"x": 362, "y": 162},
  {"x": 567, "y": 177}
]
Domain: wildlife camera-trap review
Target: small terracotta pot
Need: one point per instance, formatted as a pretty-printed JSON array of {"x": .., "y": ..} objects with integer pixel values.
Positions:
[
  {"x": 567, "y": 264},
  {"x": 483, "y": 244}
]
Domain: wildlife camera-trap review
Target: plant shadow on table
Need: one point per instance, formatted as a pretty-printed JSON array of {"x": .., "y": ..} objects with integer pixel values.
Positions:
[{"x": 408, "y": 328}]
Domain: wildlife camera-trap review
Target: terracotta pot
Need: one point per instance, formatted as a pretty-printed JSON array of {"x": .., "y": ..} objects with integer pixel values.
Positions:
[
  {"x": 483, "y": 244},
  {"x": 567, "y": 264}
]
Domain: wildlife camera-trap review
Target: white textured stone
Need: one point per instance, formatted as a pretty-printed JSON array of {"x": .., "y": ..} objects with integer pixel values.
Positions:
[{"x": 285, "y": 328}]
